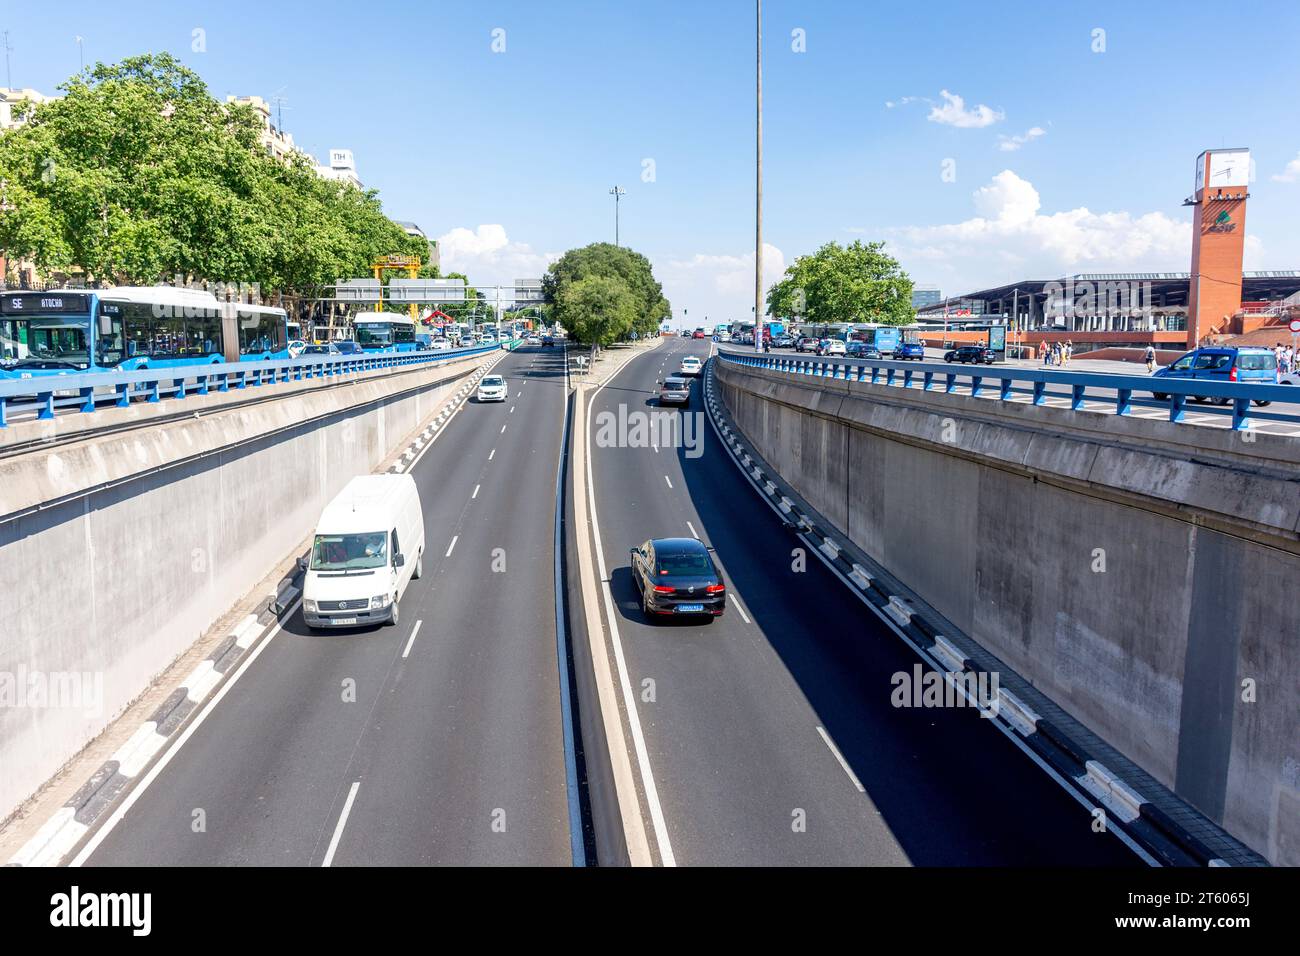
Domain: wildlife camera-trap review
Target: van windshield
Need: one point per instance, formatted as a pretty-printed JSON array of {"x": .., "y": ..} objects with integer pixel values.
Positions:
[{"x": 347, "y": 552}]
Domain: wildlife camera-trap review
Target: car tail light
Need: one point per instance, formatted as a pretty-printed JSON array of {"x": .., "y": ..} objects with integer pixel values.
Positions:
[
  {"x": 715, "y": 588},
  {"x": 1232, "y": 374},
  {"x": 663, "y": 589}
]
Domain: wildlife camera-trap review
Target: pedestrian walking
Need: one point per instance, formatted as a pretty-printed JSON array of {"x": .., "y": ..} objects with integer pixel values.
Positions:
[
  {"x": 1066, "y": 351},
  {"x": 1150, "y": 358},
  {"x": 1044, "y": 353}
]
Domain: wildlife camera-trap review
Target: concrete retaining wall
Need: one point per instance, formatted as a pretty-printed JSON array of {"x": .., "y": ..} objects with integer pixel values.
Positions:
[
  {"x": 1142, "y": 574},
  {"x": 118, "y": 552}
]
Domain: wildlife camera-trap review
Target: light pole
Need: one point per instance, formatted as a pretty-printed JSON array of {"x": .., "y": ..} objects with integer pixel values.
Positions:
[
  {"x": 758, "y": 183},
  {"x": 616, "y": 192},
  {"x": 81, "y": 53}
]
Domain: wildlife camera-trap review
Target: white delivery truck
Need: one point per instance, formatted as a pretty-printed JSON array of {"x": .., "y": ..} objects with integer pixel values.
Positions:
[{"x": 369, "y": 546}]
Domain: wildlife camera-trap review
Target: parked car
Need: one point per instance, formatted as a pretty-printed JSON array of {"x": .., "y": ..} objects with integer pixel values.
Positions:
[
  {"x": 677, "y": 576},
  {"x": 906, "y": 351},
  {"x": 675, "y": 391},
  {"x": 368, "y": 547},
  {"x": 1222, "y": 363},
  {"x": 972, "y": 354},
  {"x": 862, "y": 350}
]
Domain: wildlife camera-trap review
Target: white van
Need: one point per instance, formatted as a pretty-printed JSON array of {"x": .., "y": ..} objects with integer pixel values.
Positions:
[{"x": 369, "y": 546}]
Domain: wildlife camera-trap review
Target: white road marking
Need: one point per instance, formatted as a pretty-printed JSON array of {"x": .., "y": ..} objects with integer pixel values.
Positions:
[
  {"x": 102, "y": 833},
  {"x": 840, "y": 757},
  {"x": 735, "y": 599},
  {"x": 338, "y": 830},
  {"x": 414, "y": 631},
  {"x": 693, "y": 534},
  {"x": 492, "y": 455},
  {"x": 503, "y": 429},
  {"x": 454, "y": 539},
  {"x": 625, "y": 685},
  {"x": 512, "y": 409},
  {"x": 670, "y": 484},
  {"x": 475, "y": 494}
]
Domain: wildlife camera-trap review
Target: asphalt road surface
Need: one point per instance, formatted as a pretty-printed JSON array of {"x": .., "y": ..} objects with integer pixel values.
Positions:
[
  {"x": 771, "y": 737},
  {"x": 452, "y": 752}
]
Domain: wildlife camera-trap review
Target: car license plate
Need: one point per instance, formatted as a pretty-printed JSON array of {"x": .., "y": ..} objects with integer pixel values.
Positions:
[
  {"x": 344, "y": 620},
  {"x": 689, "y": 608}
]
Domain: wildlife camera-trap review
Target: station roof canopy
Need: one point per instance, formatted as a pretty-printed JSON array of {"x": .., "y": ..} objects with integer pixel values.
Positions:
[{"x": 1174, "y": 286}]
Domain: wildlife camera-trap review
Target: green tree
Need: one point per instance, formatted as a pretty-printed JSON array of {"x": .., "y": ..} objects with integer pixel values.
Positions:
[
  {"x": 599, "y": 310},
  {"x": 855, "y": 283},
  {"x": 603, "y": 260},
  {"x": 137, "y": 175}
]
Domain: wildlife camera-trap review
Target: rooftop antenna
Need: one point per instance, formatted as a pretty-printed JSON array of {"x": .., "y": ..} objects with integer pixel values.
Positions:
[{"x": 279, "y": 101}]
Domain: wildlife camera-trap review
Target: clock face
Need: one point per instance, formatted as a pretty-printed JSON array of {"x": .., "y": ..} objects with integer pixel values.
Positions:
[{"x": 1229, "y": 169}]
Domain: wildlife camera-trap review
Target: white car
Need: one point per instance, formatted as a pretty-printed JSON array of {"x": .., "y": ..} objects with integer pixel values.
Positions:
[
  {"x": 690, "y": 366},
  {"x": 439, "y": 345},
  {"x": 492, "y": 388},
  {"x": 534, "y": 340},
  {"x": 724, "y": 336}
]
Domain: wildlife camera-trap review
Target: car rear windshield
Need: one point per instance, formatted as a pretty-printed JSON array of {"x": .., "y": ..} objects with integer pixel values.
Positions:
[
  {"x": 347, "y": 552},
  {"x": 676, "y": 385},
  {"x": 686, "y": 562},
  {"x": 1256, "y": 361}
]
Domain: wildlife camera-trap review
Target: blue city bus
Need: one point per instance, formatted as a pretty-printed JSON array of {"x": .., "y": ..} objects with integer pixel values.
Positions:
[
  {"x": 384, "y": 332},
  {"x": 264, "y": 332},
  {"x": 94, "y": 330}
]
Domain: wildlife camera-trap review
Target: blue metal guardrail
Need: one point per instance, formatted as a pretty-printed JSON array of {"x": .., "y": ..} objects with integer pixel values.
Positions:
[
  {"x": 1079, "y": 384},
  {"x": 85, "y": 391}
]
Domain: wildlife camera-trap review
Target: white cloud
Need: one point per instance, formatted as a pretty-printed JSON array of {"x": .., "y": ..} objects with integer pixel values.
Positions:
[
  {"x": 718, "y": 286},
  {"x": 953, "y": 112},
  {"x": 488, "y": 257},
  {"x": 1009, "y": 144},
  {"x": 1012, "y": 239},
  {"x": 1291, "y": 173}
]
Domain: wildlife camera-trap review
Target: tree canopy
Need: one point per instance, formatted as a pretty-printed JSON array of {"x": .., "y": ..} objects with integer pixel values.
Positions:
[
  {"x": 137, "y": 175},
  {"x": 855, "y": 283},
  {"x": 626, "y": 299}
]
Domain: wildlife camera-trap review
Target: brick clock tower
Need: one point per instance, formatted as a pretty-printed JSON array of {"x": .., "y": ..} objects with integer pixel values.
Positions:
[{"x": 1218, "y": 237}]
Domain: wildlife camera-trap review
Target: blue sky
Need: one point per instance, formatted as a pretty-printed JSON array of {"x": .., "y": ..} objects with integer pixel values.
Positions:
[{"x": 509, "y": 156}]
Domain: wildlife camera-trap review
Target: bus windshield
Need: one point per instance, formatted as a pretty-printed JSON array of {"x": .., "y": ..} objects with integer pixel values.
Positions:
[
  {"x": 372, "y": 334},
  {"x": 28, "y": 341}
]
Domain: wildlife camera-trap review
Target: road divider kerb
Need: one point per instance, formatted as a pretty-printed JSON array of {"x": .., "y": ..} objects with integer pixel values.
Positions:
[{"x": 634, "y": 834}]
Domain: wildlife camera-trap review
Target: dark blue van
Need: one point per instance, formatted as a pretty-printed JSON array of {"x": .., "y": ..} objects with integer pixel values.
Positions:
[{"x": 1222, "y": 363}]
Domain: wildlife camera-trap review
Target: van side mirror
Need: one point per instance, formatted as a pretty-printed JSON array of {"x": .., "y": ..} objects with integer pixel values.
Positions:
[{"x": 399, "y": 559}]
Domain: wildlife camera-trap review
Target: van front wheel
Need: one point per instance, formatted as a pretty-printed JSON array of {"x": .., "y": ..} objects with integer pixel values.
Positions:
[{"x": 392, "y": 618}]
